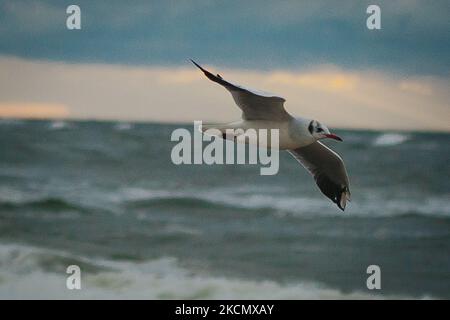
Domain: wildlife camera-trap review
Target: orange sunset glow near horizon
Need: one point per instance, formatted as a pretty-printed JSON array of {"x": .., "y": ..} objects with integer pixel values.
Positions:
[{"x": 339, "y": 97}]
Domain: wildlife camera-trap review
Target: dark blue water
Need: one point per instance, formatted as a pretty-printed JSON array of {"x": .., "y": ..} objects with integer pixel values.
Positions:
[{"x": 107, "y": 197}]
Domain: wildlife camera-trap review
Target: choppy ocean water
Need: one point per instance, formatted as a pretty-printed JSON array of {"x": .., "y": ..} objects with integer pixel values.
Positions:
[{"x": 106, "y": 196}]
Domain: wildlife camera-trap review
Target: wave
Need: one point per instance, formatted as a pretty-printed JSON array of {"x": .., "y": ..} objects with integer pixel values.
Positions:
[
  {"x": 390, "y": 139},
  {"x": 180, "y": 201},
  {"x": 122, "y": 126},
  {"x": 279, "y": 204},
  {"x": 219, "y": 199},
  {"x": 48, "y": 203},
  {"x": 227, "y": 200},
  {"x": 8, "y": 121},
  {"x": 36, "y": 273},
  {"x": 58, "y": 125}
]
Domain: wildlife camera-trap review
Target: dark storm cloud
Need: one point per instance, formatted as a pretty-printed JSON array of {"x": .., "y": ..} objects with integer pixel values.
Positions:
[{"x": 249, "y": 34}]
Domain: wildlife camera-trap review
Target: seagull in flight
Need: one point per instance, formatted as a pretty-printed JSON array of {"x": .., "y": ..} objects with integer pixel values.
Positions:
[{"x": 299, "y": 136}]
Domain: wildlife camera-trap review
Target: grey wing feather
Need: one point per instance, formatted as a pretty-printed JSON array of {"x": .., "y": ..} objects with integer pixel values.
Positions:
[
  {"x": 328, "y": 170},
  {"x": 255, "y": 105}
]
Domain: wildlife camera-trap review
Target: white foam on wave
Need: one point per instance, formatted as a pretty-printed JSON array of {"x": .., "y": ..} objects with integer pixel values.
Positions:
[
  {"x": 11, "y": 195},
  {"x": 58, "y": 125},
  {"x": 378, "y": 206},
  {"x": 390, "y": 139},
  {"x": 122, "y": 126},
  {"x": 22, "y": 277}
]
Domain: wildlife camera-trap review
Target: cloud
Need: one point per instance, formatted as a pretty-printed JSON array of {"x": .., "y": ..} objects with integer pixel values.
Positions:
[
  {"x": 318, "y": 80},
  {"x": 258, "y": 34},
  {"x": 30, "y": 18},
  {"x": 333, "y": 95},
  {"x": 178, "y": 76},
  {"x": 416, "y": 87},
  {"x": 32, "y": 110}
]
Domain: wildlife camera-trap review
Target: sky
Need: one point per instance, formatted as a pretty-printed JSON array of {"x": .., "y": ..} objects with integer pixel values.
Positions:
[{"x": 130, "y": 62}]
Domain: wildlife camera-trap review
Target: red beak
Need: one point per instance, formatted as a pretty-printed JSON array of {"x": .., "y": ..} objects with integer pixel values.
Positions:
[{"x": 333, "y": 136}]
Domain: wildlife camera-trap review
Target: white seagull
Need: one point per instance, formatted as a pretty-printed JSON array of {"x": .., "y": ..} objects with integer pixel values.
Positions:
[{"x": 299, "y": 136}]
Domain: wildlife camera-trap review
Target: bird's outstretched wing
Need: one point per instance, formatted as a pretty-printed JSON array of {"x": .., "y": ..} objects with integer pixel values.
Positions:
[
  {"x": 328, "y": 169},
  {"x": 255, "y": 105}
]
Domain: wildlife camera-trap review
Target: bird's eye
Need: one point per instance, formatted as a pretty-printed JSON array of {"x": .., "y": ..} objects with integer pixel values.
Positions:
[{"x": 319, "y": 129}]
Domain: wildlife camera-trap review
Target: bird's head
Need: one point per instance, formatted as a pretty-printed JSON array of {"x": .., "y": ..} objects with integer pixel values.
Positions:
[{"x": 320, "y": 131}]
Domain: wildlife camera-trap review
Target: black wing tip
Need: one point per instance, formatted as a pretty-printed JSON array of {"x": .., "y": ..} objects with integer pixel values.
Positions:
[
  {"x": 333, "y": 191},
  {"x": 197, "y": 65},
  {"x": 216, "y": 78},
  {"x": 206, "y": 72}
]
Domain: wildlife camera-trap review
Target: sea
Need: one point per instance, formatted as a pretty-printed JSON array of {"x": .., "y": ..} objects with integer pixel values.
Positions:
[{"x": 106, "y": 197}]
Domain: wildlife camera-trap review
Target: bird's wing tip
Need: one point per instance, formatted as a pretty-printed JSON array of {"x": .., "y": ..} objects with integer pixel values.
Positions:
[
  {"x": 209, "y": 75},
  {"x": 197, "y": 65},
  {"x": 345, "y": 196}
]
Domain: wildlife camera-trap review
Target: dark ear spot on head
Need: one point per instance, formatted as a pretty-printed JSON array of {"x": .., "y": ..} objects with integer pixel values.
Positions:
[{"x": 311, "y": 127}]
